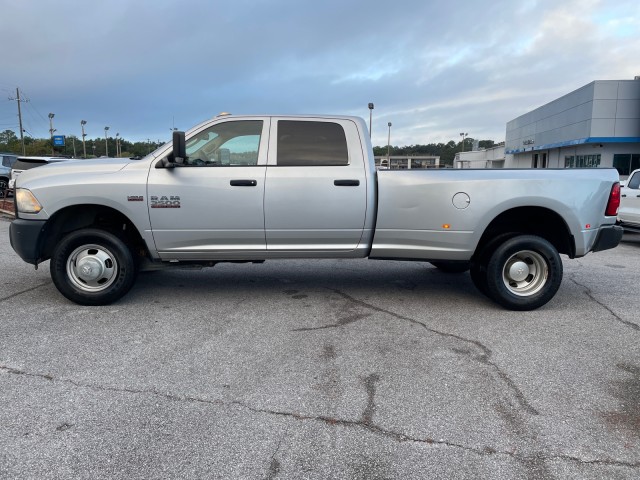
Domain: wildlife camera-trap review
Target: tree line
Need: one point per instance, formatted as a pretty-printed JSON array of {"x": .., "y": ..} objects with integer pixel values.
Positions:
[{"x": 10, "y": 143}]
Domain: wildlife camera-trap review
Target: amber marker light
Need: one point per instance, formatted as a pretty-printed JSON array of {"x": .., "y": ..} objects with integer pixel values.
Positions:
[{"x": 446, "y": 226}]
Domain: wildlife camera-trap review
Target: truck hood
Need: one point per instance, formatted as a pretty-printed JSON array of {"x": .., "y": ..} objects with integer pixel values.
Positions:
[{"x": 66, "y": 168}]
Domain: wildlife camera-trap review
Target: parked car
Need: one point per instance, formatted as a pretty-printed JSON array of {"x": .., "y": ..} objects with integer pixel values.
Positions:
[
  {"x": 629, "y": 211},
  {"x": 27, "y": 163},
  {"x": 6, "y": 164},
  {"x": 254, "y": 188}
]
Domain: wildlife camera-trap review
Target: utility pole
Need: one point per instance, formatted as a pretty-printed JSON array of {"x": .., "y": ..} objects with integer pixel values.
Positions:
[{"x": 18, "y": 99}]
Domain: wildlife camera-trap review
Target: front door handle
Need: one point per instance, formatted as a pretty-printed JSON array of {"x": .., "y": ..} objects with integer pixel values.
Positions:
[
  {"x": 243, "y": 183},
  {"x": 346, "y": 183}
]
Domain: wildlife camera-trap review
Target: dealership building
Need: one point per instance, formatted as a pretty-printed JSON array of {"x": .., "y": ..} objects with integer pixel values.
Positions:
[{"x": 597, "y": 125}]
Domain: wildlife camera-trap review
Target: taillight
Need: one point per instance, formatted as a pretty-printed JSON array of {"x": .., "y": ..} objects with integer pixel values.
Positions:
[{"x": 614, "y": 201}]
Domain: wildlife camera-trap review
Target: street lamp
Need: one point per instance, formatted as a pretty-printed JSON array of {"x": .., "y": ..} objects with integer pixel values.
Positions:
[
  {"x": 389, "y": 146},
  {"x": 463, "y": 135},
  {"x": 84, "y": 145},
  {"x": 117, "y": 144},
  {"x": 106, "y": 143},
  {"x": 51, "y": 130},
  {"x": 370, "y": 115}
]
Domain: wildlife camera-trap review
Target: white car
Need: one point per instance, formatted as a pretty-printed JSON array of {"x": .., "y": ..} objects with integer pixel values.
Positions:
[
  {"x": 6, "y": 162},
  {"x": 629, "y": 211},
  {"x": 27, "y": 163}
]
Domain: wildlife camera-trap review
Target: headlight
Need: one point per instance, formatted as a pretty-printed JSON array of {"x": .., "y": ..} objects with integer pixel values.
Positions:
[{"x": 26, "y": 202}]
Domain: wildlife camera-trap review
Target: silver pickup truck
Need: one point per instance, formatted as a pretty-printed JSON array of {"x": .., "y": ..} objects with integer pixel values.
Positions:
[{"x": 253, "y": 188}]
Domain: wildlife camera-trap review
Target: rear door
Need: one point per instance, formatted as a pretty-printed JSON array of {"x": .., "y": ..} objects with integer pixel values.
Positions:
[{"x": 315, "y": 193}]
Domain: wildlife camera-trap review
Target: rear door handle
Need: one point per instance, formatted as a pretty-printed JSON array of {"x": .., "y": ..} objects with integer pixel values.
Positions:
[
  {"x": 346, "y": 183},
  {"x": 243, "y": 183}
]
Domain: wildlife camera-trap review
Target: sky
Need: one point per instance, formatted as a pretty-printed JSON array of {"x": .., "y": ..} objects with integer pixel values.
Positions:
[{"x": 432, "y": 68}]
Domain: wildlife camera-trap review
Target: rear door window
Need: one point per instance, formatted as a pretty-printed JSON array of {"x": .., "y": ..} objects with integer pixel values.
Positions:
[{"x": 302, "y": 143}]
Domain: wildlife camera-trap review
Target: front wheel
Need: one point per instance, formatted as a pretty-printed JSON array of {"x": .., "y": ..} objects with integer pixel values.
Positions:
[
  {"x": 92, "y": 267},
  {"x": 524, "y": 273}
]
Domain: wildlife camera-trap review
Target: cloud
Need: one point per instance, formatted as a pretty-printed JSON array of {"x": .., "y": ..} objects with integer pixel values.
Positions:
[{"x": 433, "y": 69}]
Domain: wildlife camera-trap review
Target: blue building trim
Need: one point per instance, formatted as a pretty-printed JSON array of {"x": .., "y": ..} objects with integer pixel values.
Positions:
[{"x": 579, "y": 141}]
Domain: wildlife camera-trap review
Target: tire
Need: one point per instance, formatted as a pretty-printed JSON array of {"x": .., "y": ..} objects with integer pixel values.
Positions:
[
  {"x": 478, "y": 275},
  {"x": 478, "y": 268},
  {"x": 524, "y": 273},
  {"x": 92, "y": 267},
  {"x": 450, "y": 266},
  {"x": 3, "y": 187}
]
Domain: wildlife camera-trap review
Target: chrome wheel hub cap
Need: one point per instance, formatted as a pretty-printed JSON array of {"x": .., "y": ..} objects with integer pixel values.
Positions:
[
  {"x": 92, "y": 268},
  {"x": 525, "y": 273}
]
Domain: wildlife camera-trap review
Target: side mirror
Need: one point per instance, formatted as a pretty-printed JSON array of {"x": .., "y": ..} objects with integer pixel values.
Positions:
[
  {"x": 179, "y": 147},
  {"x": 179, "y": 154}
]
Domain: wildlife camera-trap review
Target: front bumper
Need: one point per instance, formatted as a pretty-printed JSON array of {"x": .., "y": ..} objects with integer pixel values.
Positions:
[
  {"x": 26, "y": 238},
  {"x": 608, "y": 237}
]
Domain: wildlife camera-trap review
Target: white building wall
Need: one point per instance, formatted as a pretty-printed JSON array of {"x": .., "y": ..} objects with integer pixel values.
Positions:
[
  {"x": 487, "y": 158},
  {"x": 595, "y": 119}
]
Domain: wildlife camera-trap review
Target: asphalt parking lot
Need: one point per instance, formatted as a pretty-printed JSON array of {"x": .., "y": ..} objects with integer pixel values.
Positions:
[{"x": 321, "y": 369}]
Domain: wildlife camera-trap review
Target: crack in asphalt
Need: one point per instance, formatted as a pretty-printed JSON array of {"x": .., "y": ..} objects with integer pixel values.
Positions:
[
  {"x": 364, "y": 423},
  {"x": 484, "y": 358},
  {"x": 13, "y": 295},
  {"x": 589, "y": 294},
  {"x": 340, "y": 323},
  {"x": 274, "y": 465},
  {"x": 370, "y": 408}
]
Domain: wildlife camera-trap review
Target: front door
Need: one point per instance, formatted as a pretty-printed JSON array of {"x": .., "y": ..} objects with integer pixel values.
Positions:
[{"x": 212, "y": 206}]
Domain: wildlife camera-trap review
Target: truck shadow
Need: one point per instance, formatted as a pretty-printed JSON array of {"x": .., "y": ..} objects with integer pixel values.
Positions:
[{"x": 370, "y": 279}]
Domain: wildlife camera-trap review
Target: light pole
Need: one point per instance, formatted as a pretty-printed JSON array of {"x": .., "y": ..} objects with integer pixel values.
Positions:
[
  {"x": 51, "y": 130},
  {"x": 389, "y": 146},
  {"x": 117, "y": 144},
  {"x": 463, "y": 135},
  {"x": 106, "y": 142},
  {"x": 370, "y": 116},
  {"x": 84, "y": 145}
]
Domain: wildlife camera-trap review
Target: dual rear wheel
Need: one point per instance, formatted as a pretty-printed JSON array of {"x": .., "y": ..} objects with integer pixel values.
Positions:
[{"x": 521, "y": 272}]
